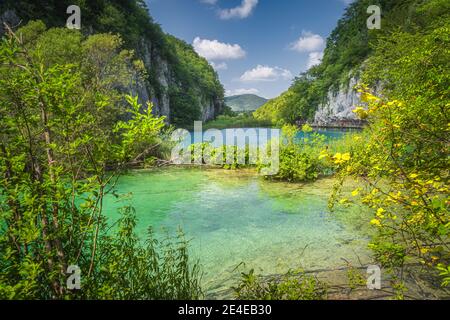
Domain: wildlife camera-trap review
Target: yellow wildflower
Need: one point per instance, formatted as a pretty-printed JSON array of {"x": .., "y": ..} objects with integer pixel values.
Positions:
[
  {"x": 361, "y": 113},
  {"x": 380, "y": 212},
  {"x": 376, "y": 222},
  {"x": 341, "y": 158}
]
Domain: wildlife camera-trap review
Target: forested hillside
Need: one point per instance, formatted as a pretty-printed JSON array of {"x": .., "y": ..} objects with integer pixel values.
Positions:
[
  {"x": 181, "y": 84},
  {"x": 327, "y": 90}
]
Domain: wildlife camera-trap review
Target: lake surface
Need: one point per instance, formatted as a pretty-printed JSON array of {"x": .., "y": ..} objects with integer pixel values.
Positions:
[
  {"x": 236, "y": 221},
  {"x": 254, "y": 135}
]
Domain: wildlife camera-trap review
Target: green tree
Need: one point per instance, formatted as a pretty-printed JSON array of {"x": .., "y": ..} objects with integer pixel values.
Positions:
[{"x": 62, "y": 147}]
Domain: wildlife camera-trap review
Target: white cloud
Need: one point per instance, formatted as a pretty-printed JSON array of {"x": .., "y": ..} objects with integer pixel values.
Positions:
[
  {"x": 308, "y": 42},
  {"x": 238, "y": 92},
  {"x": 266, "y": 73},
  {"x": 314, "y": 58},
  {"x": 215, "y": 50},
  {"x": 242, "y": 11},
  {"x": 219, "y": 65}
]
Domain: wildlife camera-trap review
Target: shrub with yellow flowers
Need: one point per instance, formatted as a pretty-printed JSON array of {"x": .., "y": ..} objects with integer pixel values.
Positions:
[
  {"x": 405, "y": 174},
  {"x": 404, "y": 164}
]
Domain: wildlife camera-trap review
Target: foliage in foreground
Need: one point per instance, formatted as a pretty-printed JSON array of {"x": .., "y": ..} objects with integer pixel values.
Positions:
[
  {"x": 128, "y": 269},
  {"x": 299, "y": 157},
  {"x": 62, "y": 145},
  {"x": 294, "y": 285}
]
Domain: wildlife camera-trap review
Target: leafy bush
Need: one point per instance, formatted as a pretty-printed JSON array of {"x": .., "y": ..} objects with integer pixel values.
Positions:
[
  {"x": 294, "y": 285},
  {"x": 299, "y": 157},
  {"x": 405, "y": 161},
  {"x": 61, "y": 147},
  {"x": 128, "y": 269}
]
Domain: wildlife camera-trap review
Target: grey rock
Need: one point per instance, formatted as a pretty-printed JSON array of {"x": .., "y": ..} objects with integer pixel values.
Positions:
[{"x": 338, "y": 108}]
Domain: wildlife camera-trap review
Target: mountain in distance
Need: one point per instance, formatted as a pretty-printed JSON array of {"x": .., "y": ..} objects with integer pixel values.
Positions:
[{"x": 245, "y": 102}]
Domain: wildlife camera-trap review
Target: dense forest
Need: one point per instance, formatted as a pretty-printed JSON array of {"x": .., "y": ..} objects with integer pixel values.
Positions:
[{"x": 182, "y": 92}]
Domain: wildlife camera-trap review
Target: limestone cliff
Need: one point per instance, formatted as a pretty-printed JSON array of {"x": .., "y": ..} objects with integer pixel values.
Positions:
[{"x": 337, "y": 111}]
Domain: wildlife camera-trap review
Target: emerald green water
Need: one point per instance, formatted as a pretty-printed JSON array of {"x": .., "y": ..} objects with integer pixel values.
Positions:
[{"x": 235, "y": 217}]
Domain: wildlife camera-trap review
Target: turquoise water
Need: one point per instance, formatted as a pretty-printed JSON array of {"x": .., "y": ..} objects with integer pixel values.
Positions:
[
  {"x": 236, "y": 218},
  {"x": 329, "y": 133},
  {"x": 254, "y": 134}
]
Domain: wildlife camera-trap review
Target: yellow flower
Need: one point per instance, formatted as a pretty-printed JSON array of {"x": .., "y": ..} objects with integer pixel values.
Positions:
[
  {"x": 355, "y": 192},
  {"x": 376, "y": 222},
  {"x": 338, "y": 158},
  {"x": 413, "y": 175},
  {"x": 361, "y": 113},
  {"x": 346, "y": 156},
  {"x": 341, "y": 158},
  {"x": 380, "y": 212},
  {"x": 367, "y": 97}
]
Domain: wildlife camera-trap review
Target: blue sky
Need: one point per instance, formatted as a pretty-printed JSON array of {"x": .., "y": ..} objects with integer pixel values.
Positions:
[{"x": 256, "y": 46}]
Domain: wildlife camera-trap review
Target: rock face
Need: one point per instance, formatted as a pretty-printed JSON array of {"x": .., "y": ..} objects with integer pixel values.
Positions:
[
  {"x": 159, "y": 92},
  {"x": 211, "y": 107},
  {"x": 148, "y": 92},
  {"x": 337, "y": 111},
  {"x": 9, "y": 17}
]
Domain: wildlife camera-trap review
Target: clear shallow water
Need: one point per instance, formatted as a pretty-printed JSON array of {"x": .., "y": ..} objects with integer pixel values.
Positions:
[{"x": 233, "y": 217}]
